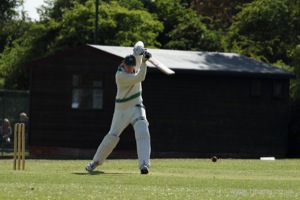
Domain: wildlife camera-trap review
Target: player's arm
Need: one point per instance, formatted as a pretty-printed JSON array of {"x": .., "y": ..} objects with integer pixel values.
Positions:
[{"x": 138, "y": 52}]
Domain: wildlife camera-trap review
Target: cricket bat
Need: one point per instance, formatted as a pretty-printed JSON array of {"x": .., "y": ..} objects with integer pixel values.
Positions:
[{"x": 161, "y": 66}]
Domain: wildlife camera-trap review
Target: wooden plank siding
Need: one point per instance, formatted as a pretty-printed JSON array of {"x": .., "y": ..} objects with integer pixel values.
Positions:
[{"x": 209, "y": 114}]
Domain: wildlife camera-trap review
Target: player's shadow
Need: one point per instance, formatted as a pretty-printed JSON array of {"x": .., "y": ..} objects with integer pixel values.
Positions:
[
  {"x": 98, "y": 173},
  {"x": 86, "y": 173}
]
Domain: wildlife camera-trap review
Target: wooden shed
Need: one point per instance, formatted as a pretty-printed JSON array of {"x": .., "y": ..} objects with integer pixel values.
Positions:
[{"x": 220, "y": 104}]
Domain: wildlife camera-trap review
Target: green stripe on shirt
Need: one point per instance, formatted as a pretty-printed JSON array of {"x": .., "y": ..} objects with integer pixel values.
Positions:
[{"x": 129, "y": 98}]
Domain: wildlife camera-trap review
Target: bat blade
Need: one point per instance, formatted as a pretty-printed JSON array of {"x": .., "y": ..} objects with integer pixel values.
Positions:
[{"x": 161, "y": 66}]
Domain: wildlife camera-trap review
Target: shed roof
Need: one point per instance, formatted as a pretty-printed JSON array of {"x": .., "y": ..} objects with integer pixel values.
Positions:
[{"x": 210, "y": 62}]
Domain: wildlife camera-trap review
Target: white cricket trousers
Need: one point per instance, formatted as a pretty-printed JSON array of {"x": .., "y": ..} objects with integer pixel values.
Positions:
[{"x": 135, "y": 115}]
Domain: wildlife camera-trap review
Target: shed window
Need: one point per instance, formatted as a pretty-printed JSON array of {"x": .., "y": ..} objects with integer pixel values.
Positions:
[
  {"x": 255, "y": 88},
  {"x": 87, "y": 92},
  {"x": 277, "y": 89}
]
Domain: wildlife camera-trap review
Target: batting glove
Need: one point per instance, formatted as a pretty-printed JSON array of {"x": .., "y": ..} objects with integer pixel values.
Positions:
[
  {"x": 139, "y": 50},
  {"x": 146, "y": 56}
]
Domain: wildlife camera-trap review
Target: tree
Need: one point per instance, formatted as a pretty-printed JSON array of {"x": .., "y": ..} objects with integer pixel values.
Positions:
[
  {"x": 120, "y": 26},
  {"x": 33, "y": 44},
  {"x": 266, "y": 29},
  {"x": 222, "y": 12},
  {"x": 183, "y": 28},
  {"x": 169, "y": 13},
  {"x": 192, "y": 34},
  {"x": 132, "y": 4},
  {"x": 7, "y": 9},
  {"x": 295, "y": 84},
  {"x": 117, "y": 26},
  {"x": 8, "y": 15},
  {"x": 12, "y": 26},
  {"x": 55, "y": 9}
]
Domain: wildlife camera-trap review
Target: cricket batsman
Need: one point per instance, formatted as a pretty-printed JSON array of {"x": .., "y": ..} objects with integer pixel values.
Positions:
[{"x": 129, "y": 109}]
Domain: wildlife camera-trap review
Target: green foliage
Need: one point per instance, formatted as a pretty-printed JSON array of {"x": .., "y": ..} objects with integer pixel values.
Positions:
[
  {"x": 9, "y": 25},
  {"x": 265, "y": 29},
  {"x": 120, "y": 26},
  {"x": 222, "y": 12},
  {"x": 183, "y": 28},
  {"x": 295, "y": 68},
  {"x": 31, "y": 45},
  {"x": 295, "y": 84},
  {"x": 73, "y": 27},
  {"x": 192, "y": 34},
  {"x": 7, "y": 9},
  {"x": 54, "y": 9},
  {"x": 169, "y": 12},
  {"x": 131, "y": 4}
]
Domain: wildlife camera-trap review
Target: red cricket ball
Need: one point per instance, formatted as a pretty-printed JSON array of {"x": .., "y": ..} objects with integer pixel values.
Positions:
[{"x": 214, "y": 159}]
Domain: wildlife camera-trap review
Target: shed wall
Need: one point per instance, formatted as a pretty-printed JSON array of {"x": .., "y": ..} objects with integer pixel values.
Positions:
[
  {"x": 53, "y": 121},
  {"x": 216, "y": 115},
  {"x": 195, "y": 113}
]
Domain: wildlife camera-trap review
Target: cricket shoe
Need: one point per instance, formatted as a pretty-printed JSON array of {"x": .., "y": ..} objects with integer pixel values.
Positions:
[
  {"x": 144, "y": 170},
  {"x": 91, "y": 166}
]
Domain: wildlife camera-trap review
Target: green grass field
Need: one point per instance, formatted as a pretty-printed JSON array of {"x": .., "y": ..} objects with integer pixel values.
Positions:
[{"x": 168, "y": 179}]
